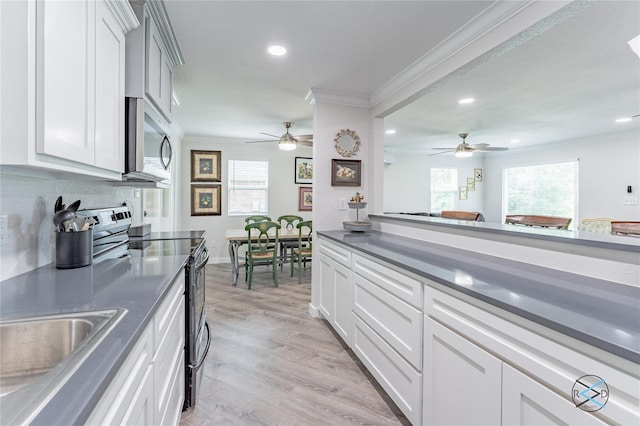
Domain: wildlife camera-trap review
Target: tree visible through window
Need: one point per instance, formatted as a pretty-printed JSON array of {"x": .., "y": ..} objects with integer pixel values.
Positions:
[
  {"x": 548, "y": 190},
  {"x": 248, "y": 187},
  {"x": 444, "y": 189}
]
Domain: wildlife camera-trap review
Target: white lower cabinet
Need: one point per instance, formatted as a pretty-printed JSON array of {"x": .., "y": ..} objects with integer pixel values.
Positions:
[
  {"x": 528, "y": 403},
  {"x": 446, "y": 358},
  {"x": 462, "y": 382},
  {"x": 149, "y": 387},
  {"x": 401, "y": 381},
  {"x": 335, "y": 288}
]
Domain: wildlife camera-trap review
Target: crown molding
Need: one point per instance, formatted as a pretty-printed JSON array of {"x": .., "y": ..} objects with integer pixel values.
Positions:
[
  {"x": 159, "y": 13},
  {"x": 487, "y": 21},
  {"x": 124, "y": 14},
  {"x": 338, "y": 97}
]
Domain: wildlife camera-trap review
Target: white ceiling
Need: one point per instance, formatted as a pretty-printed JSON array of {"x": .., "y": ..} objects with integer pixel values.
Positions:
[{"x": 571, "y": 81}]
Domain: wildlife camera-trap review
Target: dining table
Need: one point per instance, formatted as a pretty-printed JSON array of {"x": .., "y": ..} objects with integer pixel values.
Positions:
[{"x": 238, "y": 237}]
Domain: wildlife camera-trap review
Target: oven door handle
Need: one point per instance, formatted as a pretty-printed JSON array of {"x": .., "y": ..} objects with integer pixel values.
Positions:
[
  {"x": 206, "y": 349},
  {"x": 204, "y": 261}
]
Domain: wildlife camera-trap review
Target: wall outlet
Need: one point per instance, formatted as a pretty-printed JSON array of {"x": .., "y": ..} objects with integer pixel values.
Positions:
[
  {"x": 631, "y": 200},
  {"x": 342, "y": 204},
  {"x": 4, "y": 230}
]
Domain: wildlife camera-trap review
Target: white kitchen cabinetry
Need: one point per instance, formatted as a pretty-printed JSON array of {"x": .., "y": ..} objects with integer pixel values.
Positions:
[
  {"x": 387, "y": 331},
  {"x": 68, "y": 114},
  {"x": 462, "y": 382},
  {"x": 149, "y": 387},
  {"x": 538, "y": 392},
  {"x": 152, "y": 53},
  {"x": 528, "y": 403},
  {"x": 335, "y": 288}
]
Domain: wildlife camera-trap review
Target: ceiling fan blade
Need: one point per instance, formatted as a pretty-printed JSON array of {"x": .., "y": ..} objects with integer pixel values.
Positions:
[
  {"x": 310, "y": 137},
  {"x": 443, "y": 152},
  {"x": 305, "y": 143},
  {"x": 491, "y": 148},
  {"x": 269, "y": 134},
  {"x": 261, "y": 141}
]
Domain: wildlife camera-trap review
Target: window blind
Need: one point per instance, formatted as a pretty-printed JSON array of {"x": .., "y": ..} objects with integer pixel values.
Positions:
[{"x": 248, "y": 191}]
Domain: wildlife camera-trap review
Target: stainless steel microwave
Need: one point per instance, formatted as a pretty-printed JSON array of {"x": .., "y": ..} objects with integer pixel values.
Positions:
[{"x": 148, "y": 150}]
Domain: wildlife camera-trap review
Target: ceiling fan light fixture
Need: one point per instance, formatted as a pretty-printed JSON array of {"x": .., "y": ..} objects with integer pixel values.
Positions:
[
  {"x": 277, "y": 50},
  {"x": 463, "y": 153},
  {"x": 287, "y": 142}
]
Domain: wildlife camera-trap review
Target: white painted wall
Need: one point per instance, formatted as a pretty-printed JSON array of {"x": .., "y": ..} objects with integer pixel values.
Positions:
[
  {"x": 407, "y": 181},
  {"x": 607, "y": 166},
  {"x": 283, "y": 191}
]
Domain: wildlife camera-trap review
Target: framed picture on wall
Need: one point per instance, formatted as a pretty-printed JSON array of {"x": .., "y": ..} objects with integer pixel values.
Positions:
[
  {"x": 477, "y": 173},
  {"x": 305, "y": 198},
  {"x": 345, "y": 172},
  {"x": 462, "y": 193},
  {"x": 206, "y": 200},
  {"x": 205, "y": 166},
  {"x": 304, "y": 170},
  {"x": 471, "y": 184}
]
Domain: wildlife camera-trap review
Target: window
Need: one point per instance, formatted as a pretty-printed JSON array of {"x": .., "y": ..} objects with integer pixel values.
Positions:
[
  {"x": 248, "y": 187},
  {"x": 547, "y": 189},
  {"x": 444, "y": 189}
]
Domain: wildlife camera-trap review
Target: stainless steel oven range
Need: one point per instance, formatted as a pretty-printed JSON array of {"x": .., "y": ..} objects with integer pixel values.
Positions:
[{"x": 197, "y": 333}]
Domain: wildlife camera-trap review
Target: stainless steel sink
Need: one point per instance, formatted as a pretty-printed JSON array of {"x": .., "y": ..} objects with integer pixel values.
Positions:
[{"x": 40, "y": 354}]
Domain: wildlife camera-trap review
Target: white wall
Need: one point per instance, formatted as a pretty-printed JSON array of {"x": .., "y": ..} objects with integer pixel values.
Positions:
[
  {"x": 407, "y": 181},
  {"x": 283, "y": 191},
  {"x": 607, "y": 166},
  {"x": 28, "y": 204}
]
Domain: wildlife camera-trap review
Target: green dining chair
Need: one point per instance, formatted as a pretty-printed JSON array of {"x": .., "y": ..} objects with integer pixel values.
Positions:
[
  {"x": 288, "y": 224},
  {"x": 256, "y": 218},
  {"x": 302, "y": 253},
  {"x": 263, "y": 249}
]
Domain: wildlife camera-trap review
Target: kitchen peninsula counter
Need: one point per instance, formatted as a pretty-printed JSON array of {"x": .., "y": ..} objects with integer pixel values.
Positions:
[
  {"x": 137, "y": 284},
  {"x": 601, "y": 313}
]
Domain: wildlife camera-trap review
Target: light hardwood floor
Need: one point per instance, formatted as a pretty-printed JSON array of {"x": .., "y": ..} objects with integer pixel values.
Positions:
[{"x": 271, "y": 363}]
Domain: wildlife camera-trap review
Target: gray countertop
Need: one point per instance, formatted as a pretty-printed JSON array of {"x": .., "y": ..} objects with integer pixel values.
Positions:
[
  {"x": 601, "y": 313},
  {"x": 576, "y": 238},
  {"x": 136, "y": 284}
]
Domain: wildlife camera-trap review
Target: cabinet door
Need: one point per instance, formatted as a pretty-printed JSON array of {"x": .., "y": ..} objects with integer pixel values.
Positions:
[
  {"x": 462, "y": 382},
  {"x": 109, "y": 103},
  {"x": 527, "y": 402},
  {"x": 166, "y": 87},
  {"x": 65, "y": 73},
  {"x": 335, "y": 296},
  {"x": 154, "y": 62},
  {"x": 140, "y": 410}
]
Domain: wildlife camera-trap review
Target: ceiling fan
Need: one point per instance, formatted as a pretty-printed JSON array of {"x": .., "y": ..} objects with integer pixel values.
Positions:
[
  {"x": 287, "y": 141},
  {"x": 466, "y": 150}
]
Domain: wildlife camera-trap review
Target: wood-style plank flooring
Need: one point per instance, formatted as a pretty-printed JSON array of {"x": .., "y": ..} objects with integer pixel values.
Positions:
[{"x": 271, "y": 363}]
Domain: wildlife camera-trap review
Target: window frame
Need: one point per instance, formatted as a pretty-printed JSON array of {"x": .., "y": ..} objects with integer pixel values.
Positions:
[{"x": 232, "y": 189}]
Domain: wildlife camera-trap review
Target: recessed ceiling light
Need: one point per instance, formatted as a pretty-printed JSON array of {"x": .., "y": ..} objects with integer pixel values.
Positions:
[
  {"x": 515, "y": 141},
  {"x": 390, "y": 132},
  {"x": 276, "y": 50},
  {"x": 623, "y": 120},
  {"x": 466, "y": 101}
]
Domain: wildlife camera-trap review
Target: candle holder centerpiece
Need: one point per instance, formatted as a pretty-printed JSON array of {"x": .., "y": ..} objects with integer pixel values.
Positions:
[{"x": 357, "y": 202}]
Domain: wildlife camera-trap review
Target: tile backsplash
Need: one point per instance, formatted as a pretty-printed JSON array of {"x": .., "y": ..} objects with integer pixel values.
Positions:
[{"x": 28, "y": 204}]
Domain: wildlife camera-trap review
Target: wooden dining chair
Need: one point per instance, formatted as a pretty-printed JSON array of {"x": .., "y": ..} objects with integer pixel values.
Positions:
[
  {"x": 263, "y": 249},
  {"x": 288, "y": 224},
  {"x": 302, "y": 253}
]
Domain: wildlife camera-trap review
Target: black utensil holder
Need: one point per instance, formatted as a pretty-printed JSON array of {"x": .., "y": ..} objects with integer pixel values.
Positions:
[{"x": 74, "y": 249}]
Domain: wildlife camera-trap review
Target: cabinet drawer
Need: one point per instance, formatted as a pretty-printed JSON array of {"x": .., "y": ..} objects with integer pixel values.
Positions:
[
  {"x": 398, "y": 323},
  {"x": 335, "y": 252},
  {"x": 175, "y": 400},
  {"x": 130, "y": 387},
  {"x": 398, "y": 378},
  {"x": 166, "y": 361},
  {"x": 165, "y": 313},
  {"x": 400, "y": 285},
  {"x": 556, "y": 366}
]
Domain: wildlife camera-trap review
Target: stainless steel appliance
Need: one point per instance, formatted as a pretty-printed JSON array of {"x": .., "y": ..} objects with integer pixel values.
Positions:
[
  {"x": 110, "y": 231},
  {"x": 148, "y": 151},
  {"x": 197, "y": 332}
]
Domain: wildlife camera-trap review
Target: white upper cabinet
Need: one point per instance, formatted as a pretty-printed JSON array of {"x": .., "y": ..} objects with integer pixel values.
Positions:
[
  {"x": 65, "y": 67},
  {"x": 152, "y": 53}
]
